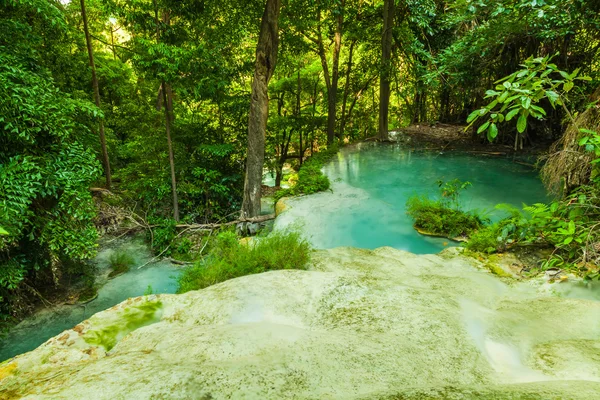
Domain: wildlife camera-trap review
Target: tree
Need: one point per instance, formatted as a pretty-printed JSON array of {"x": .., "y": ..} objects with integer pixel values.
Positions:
[
  {"x": 385, "y": 74},
  {"x": 167, "y": 99},
  {"x": 46, "y": 169},
  {"x": 88, "y": 41},
  {"x": 266, "y": 60}
]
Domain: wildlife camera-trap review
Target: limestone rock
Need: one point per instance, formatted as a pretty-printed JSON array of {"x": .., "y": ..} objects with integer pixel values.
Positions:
[
  {"x": 359, "y": 324},
  {"x": 281, "y": 206}
]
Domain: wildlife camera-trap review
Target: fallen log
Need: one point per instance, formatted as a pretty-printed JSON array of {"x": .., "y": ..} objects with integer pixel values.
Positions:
[{"x": 261, "y": 218}]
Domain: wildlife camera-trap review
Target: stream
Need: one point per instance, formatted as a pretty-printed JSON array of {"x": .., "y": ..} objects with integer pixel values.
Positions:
[{"x": 160, "y": 277}]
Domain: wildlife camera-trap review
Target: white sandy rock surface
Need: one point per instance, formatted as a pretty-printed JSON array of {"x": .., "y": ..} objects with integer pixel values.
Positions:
[{"x": 359, "y": 324}]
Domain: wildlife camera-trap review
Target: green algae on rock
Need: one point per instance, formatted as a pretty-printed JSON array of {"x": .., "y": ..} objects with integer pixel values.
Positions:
[
  {"x": 108, "y": 333},
  {"x": 359, "y": 324}
]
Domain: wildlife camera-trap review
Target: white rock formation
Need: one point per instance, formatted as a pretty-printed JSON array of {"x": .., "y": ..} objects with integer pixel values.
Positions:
[{"x": 359, "y": 324}]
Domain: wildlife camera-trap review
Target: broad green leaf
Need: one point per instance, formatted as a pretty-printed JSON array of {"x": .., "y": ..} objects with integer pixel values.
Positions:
[
  {"x": 493, "y": 132},
  {"x": 568, "y": 86},
  {"x": 552, "y": 96},
  {"x": 472, "y": 116},
  {"x": 522, "y": 123},
  {"x": 511, "y": 114},
  {"x": 483, "y": 127}
]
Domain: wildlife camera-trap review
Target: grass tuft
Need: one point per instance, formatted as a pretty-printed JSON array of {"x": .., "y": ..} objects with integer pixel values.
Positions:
[{"x": 229, "y": 259}]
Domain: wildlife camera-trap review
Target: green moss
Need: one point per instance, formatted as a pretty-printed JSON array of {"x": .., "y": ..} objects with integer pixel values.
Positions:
[
  {"x": 128, "y": 321},
  {"x": 310, "y": 177},
  {"x": 497, "y": 270}
]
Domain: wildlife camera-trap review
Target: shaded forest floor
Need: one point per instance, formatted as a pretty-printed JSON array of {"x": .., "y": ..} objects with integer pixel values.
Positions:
[{"x": 443, "y": 137}]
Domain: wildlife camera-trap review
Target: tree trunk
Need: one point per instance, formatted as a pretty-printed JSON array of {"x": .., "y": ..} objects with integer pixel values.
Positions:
[
  {"x": 167, "y": 97},
  {"x": 298, "y": 98},
  {"x": 347, "y": 87},
  {"x": 266, "y": 59},
  {"x": 335, "y": 75},
  {"x": 386, "y": 66},
  {"x": 88, "y": 41},
  {"x": 168, "y": 102}
]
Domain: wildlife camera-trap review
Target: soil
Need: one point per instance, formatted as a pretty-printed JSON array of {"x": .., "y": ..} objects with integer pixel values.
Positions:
[{"x": 446, "y": 137}]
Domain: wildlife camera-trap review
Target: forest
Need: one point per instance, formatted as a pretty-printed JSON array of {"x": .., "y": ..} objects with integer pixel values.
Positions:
[{"x": 163, "y": 116}]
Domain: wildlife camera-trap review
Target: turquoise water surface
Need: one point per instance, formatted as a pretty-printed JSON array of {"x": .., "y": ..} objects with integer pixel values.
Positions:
[
  {"x": 371, "y": 184},
  {"x": 159, "y": 277}
]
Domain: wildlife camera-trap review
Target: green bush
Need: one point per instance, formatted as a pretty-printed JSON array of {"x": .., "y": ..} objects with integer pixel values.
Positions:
[
  {"x": 164, "y": 233},
  {"x": 229, "y": 259},
  {"x": 435, "y": 217},
  {"x": 310, "y": 178},
  {"x": 498, "y": 237},
  {"x": 120, "y": 262}
]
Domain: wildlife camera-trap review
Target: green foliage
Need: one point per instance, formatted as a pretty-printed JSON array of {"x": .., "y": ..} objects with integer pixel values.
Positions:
[
  {"x": 517, "y": 228},
  {"x": 46, "y": 166},
  {"x": 163, "y": 234},
  {"x": 310, "y": 177},
  {"x": 450, "y": 192},
  {"x": 120, "y": 262},
  {"x": 434, "y": 217},
  {"x": 568, "y": 226},
  {"x": 229, "y": 259},
  {"x": 518, "y": 95},
  {"x": 443, "y": 216},
  {"x": 590, "y": 140},
  {"x": 148, "y": 291}
]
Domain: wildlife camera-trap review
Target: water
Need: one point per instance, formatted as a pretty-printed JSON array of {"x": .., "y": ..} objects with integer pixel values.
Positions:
[
  {"x": 371, "y": 185},
  {"x": 34, "y": 331}
]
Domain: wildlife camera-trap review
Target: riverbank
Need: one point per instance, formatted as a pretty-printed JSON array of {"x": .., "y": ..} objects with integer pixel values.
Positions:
[{"x": 49, "y": 320}]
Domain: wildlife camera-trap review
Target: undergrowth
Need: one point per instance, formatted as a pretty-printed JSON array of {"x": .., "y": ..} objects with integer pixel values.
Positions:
[
  {"x": 310, "y": 177},
  {"x": 228, "y": 259},
  {"x": 120, "y": 262},
  {"x": 569, "y": 227},
  {"x": 443, "y": 216}
]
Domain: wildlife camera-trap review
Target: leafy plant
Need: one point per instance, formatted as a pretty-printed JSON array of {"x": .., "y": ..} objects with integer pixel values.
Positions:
[
  {"x": 163, "y": 235},
  {"x": 518, "y": 95},
  {"x": 310, "y": 177},
  {"x": 148, "y": 291},
  {"x": 443, "y": 216},
  {"x": 229, "y": 259},
  {"x": 120, "y": 262}
]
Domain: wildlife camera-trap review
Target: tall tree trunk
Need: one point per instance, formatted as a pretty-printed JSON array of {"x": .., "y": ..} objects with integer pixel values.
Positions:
[
  {"x": 331, "y": 81},
  {"x": 167, "y": 99},
  {"x": 335, "y": 75},
  {"x": 88, "y": 41},
  {"x": 168, "y": 102},
  {"x": 386, "y": 66},
  {"x": 266, "y": 59},
  {"x": 347, "y": 87},
  {"x": 298, "y": 93}
]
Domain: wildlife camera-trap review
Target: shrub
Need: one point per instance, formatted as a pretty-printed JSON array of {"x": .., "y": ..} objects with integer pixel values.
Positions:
[
  {"x": 498, "y": 237},
  {"x": 310, "y": 177},
  {"x": 435, "y": 217},
  {"x": 120, "y": 262},
  {"x": 229, "y": 259},
  {"x": 164, "y": 233}
]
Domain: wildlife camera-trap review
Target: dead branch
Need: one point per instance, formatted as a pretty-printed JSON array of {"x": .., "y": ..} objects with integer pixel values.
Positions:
[{"x": 262, "y": 218}]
